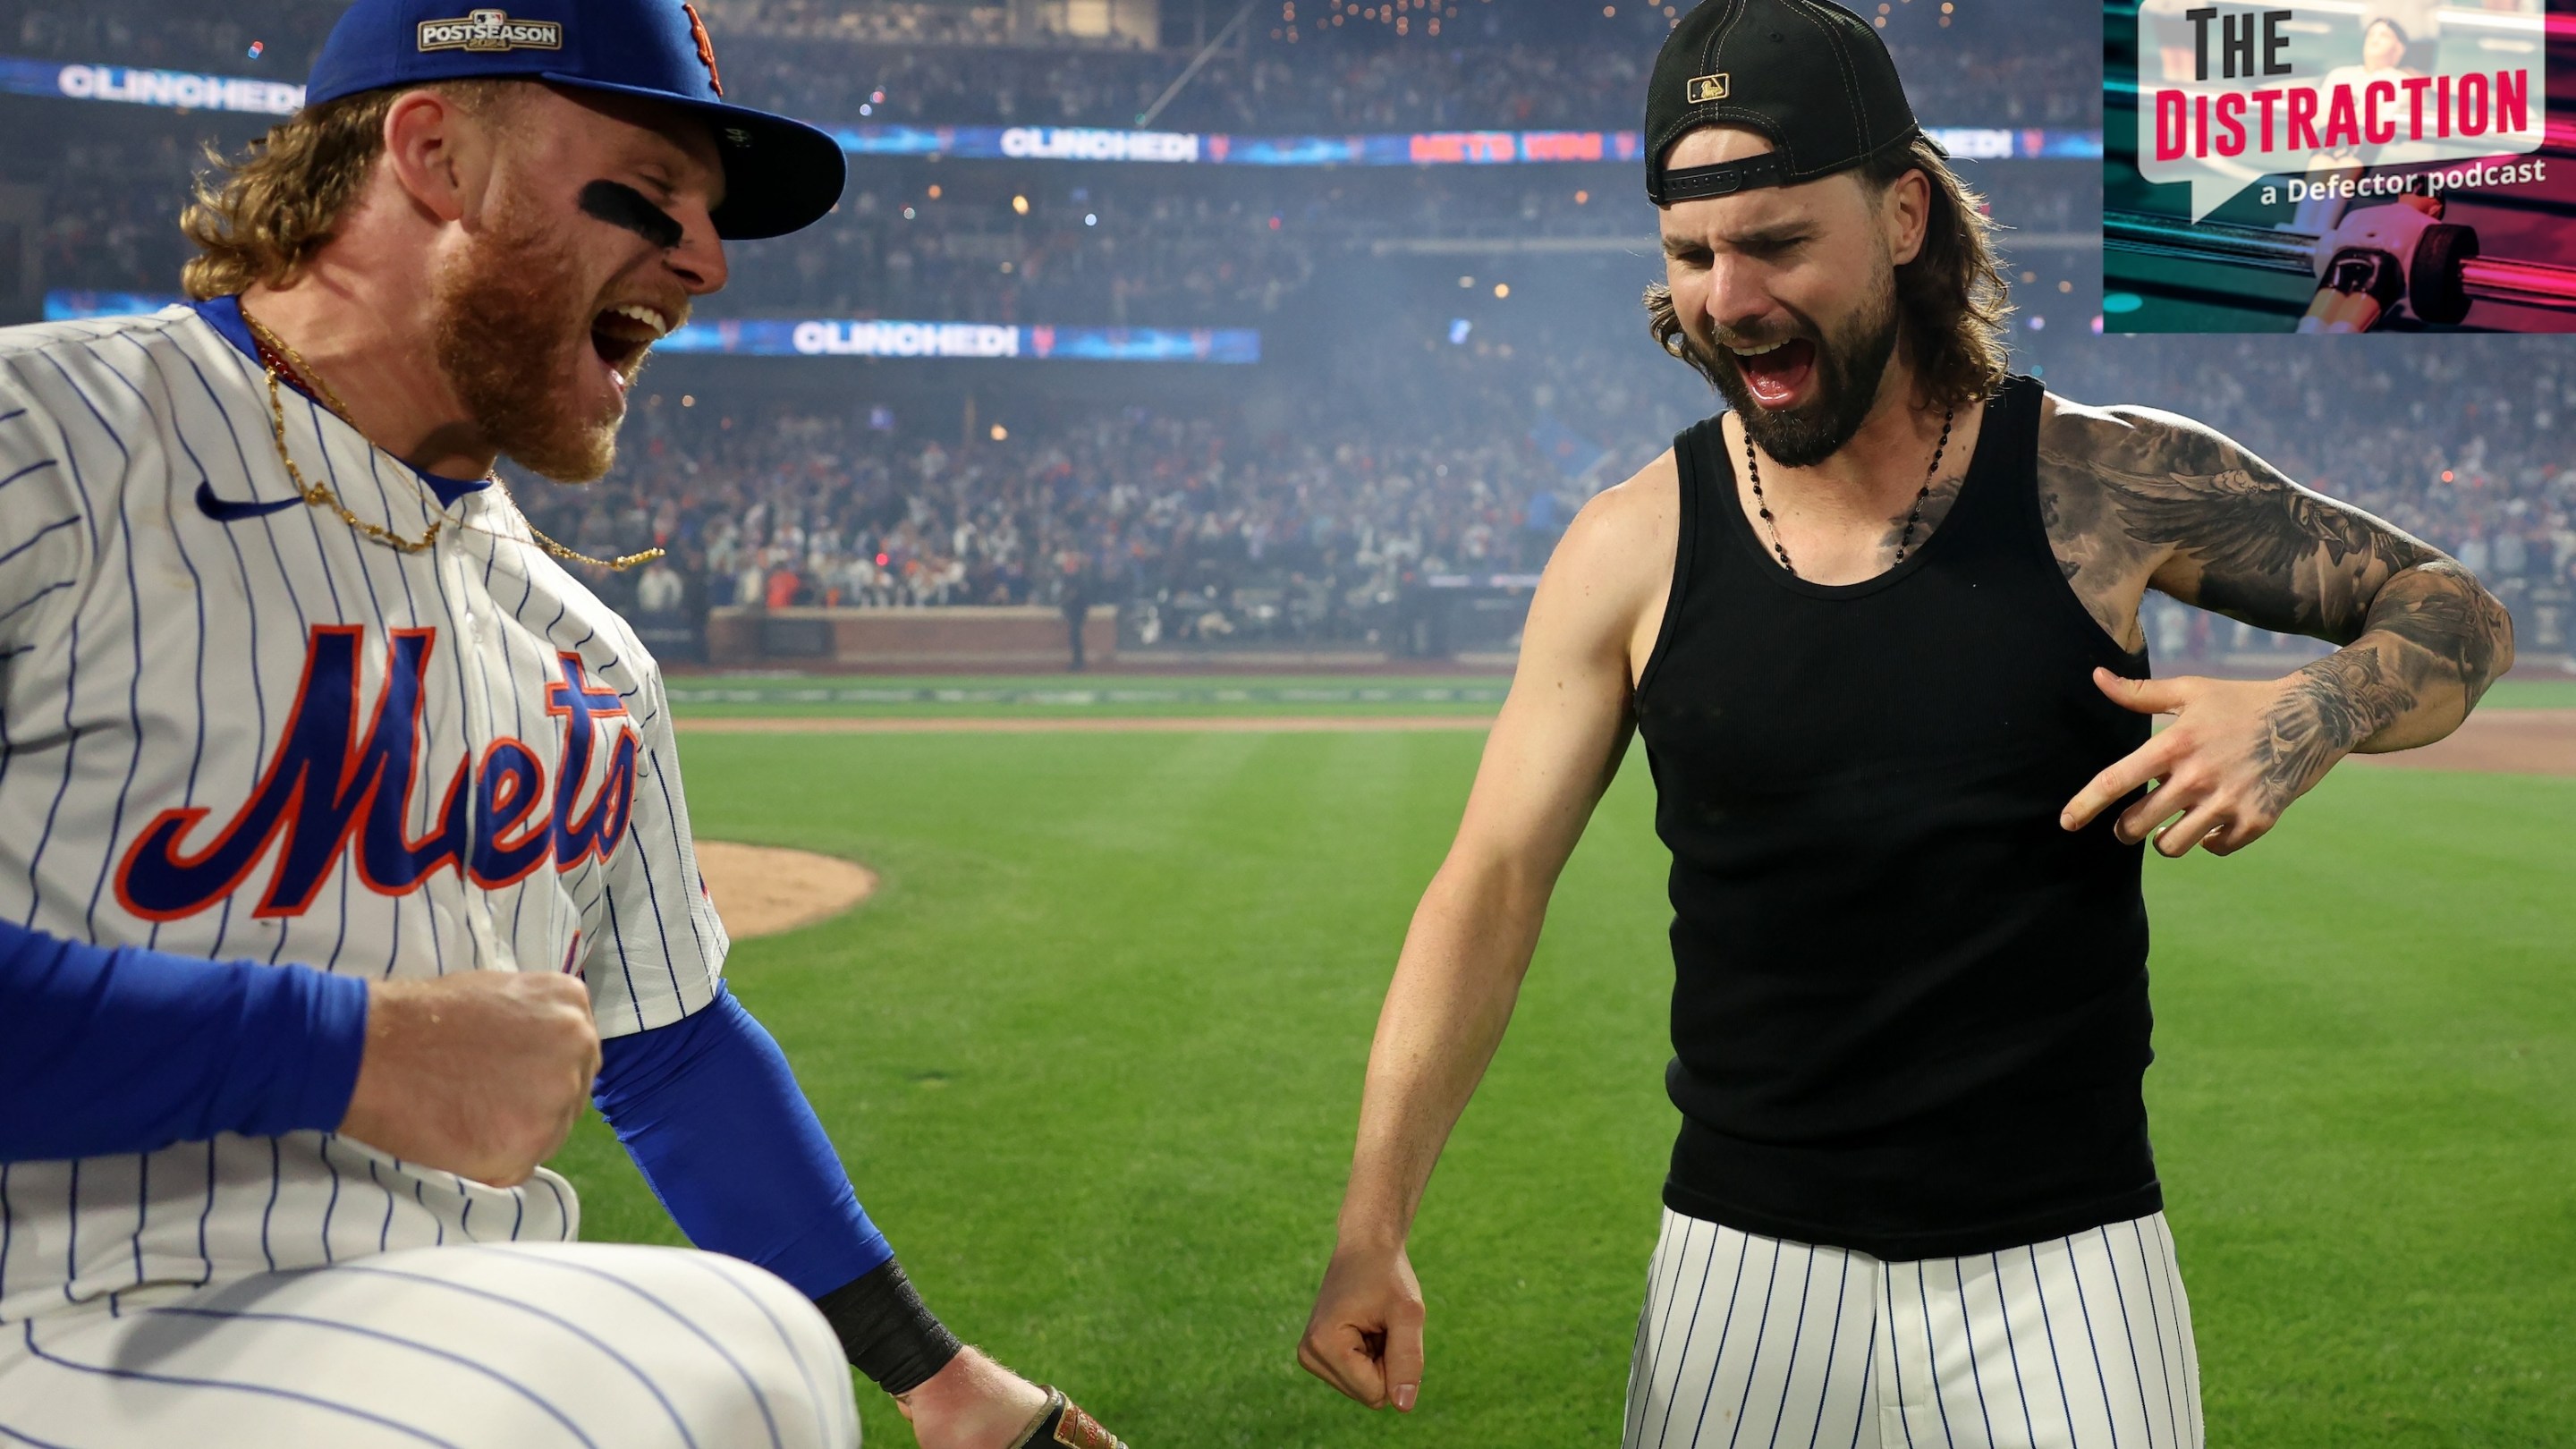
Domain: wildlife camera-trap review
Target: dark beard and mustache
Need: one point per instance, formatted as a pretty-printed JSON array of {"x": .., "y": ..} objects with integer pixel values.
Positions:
[
  {"x": 1849, "y": 367},
  {"x": 506, "y": 321}
]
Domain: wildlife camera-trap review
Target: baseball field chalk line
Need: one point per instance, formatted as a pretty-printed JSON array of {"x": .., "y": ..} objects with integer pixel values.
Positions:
[
  {"x": 2502, "y": 741},
  {"x": 761, "y": 890}
]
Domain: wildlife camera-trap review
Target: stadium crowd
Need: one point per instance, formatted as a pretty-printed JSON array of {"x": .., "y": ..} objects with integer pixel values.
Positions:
[
  {"x": 1504, "y": 65},
  {"x": 1208, "y": 526},
  {"x": 1079, "y": 246},
  {"x": 1309, "y": 524},
  {"x": 1332, "y": 89},
  {"x": 1389, "y": 458},
  {"x": 1052, "y": 243}
]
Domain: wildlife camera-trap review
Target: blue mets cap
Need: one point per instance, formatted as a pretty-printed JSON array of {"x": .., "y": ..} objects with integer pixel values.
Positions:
[{"x": 780, "y": 175}]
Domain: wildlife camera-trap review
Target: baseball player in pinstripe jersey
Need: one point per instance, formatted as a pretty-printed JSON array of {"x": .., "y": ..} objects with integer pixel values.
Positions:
[
  {"x": 1877, "y": 628},
  {"x": 347, "y": 853}
]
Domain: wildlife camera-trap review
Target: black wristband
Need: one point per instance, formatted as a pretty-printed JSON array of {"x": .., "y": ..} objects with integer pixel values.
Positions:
[{"x": 886, "y": 1331}]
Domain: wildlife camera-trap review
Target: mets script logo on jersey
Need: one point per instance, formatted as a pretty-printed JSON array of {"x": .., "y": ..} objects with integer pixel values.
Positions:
[
  {"x": 488, "y": 30},
  {"x": 331, "y": 786}
]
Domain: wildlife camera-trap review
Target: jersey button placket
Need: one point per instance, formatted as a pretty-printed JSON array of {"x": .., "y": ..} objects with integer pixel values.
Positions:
[{"x": 472, "y": 623}]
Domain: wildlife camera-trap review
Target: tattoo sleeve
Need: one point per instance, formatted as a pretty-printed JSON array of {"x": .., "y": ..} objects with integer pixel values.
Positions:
[
  {"x": 2339, "y": 701},
  {"x": 2213, "y": 525}
]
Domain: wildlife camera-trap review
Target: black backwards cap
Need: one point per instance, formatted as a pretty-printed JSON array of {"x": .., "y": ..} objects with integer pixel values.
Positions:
[{"x": 1810, "y": 75}]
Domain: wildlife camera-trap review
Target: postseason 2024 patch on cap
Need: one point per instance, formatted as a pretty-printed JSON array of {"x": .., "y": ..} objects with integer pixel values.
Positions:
[
  {"x": 1810, "y": 75},
  {"x": 780, "y": 175}
]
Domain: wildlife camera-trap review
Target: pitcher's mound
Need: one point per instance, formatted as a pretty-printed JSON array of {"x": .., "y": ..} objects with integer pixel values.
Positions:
[{"x": 761, "y": 890}]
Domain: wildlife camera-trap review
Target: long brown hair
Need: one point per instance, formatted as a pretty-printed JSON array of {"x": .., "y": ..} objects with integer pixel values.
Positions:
[
  {"x": 261, "y": 217},
  {"x": 1952, "y": 300}
]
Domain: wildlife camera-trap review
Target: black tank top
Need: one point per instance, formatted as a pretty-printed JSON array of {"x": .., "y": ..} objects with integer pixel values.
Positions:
[{"x": 1910, "y": 1016}]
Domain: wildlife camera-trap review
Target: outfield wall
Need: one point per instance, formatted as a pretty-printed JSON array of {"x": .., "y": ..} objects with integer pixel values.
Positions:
[{"x": 958, "y": 637}]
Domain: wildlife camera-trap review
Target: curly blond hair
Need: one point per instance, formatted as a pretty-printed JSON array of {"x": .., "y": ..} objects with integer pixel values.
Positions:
[
  {"x": 1953, "y": 299},
  {"x": 261, "y": 217}
]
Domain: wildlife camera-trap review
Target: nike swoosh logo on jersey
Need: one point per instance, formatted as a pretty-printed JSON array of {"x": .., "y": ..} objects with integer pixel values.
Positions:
[{"x": 225, "y": 511}]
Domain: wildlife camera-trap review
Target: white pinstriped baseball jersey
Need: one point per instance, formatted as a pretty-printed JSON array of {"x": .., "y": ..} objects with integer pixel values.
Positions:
[
  {"x": 473, "y": 1346},
  {"x": 234, "y": 728}
]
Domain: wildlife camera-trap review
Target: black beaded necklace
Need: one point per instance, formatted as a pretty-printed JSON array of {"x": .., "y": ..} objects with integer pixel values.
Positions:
[{"x": 1753, "y": 469}]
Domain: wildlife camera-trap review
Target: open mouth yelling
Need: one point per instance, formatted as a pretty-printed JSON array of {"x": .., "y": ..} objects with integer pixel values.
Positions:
[
  {"x": 620, "y": 335},
  {"x": 1777, "y": 372}
]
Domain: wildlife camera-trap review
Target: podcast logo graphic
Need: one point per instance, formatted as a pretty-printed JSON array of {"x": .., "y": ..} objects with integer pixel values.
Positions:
[{"x": 2230, "y": 93}]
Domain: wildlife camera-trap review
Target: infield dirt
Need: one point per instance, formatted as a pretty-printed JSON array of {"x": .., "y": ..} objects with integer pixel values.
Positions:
[
  {"x": 2500, "y": 741},
  {"x": 761, "y": 890}
]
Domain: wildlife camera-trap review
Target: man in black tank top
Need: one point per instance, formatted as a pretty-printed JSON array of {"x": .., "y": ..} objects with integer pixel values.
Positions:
[{"x": 1878, "y": 628}]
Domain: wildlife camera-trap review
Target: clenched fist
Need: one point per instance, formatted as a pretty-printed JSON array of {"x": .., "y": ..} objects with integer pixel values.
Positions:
[
  {"x": 481, "y": 1074},
  {"x": 1365, "y": 1337}
]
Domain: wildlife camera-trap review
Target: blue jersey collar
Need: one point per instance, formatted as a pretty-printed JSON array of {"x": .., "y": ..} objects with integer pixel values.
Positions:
[{"x": 224, "y": 314}]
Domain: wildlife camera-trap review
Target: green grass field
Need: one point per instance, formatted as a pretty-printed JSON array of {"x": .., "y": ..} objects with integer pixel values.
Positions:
[
  {"x": 1094, "y": 1054},
  {"x": 2531, "y": 694}
]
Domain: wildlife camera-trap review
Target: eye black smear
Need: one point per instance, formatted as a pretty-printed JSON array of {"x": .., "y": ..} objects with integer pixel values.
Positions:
[{"x": 621, "y": 205}]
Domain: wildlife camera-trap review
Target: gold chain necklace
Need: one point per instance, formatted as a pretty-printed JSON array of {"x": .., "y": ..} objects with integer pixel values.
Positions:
[{"x": 273, "y": 348}]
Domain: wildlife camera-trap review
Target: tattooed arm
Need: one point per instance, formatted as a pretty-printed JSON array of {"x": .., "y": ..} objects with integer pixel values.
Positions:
[{"x": 2139, "y": 498}]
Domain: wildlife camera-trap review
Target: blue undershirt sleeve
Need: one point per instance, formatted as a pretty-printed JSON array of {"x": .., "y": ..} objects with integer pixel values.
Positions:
[
  {"x": 127, "y": 1050},
  {"x": 713, "y": 1117}
]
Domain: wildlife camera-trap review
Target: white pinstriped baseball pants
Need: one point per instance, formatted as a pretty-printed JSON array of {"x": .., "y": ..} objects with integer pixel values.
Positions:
[
  {"x": 476, "y": 1346},
  {"x": 2081, "y": 1342}
]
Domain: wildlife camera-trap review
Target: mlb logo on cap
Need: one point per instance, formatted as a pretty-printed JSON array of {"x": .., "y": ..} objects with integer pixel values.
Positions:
[{"x": 1818, "y": 84}]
